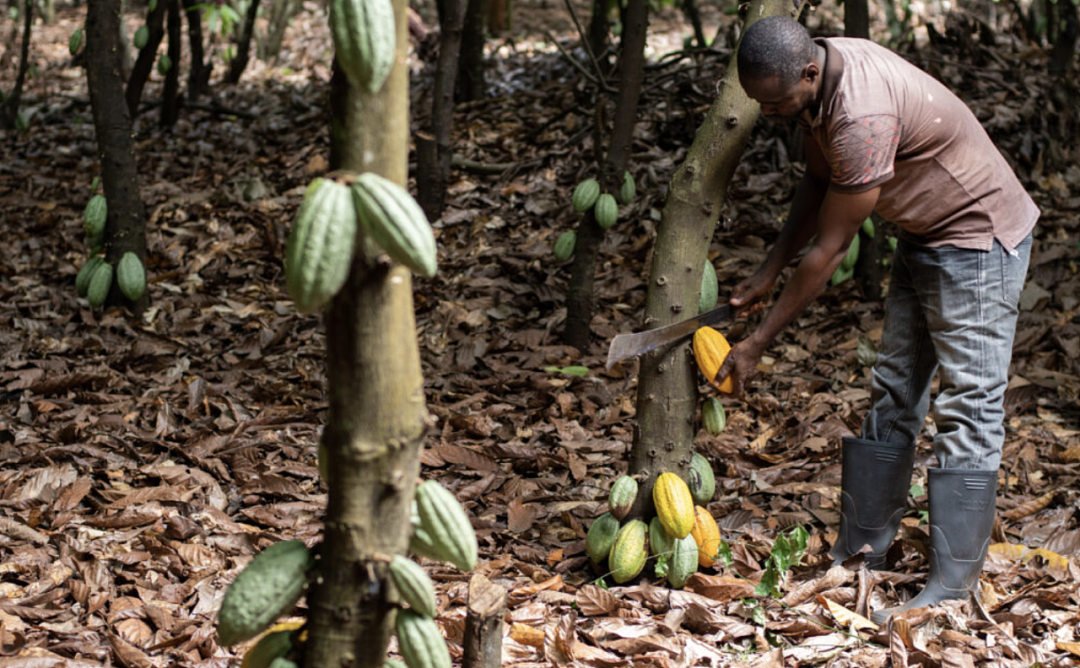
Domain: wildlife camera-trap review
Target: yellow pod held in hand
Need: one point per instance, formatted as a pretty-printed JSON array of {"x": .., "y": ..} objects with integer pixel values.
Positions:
[{"x": 710, "y": 351}]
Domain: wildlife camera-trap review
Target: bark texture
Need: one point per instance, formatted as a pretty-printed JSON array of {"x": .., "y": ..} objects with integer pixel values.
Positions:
[
  {"x": 125, "y": 229},
  {"x": 667, "y": 387},
  {"x": 199, "y": 75},
  {"x": 433, "y": 148},
  {"x": 579, "y": 299},
  {"x": 243, "y": 47},
  {"x": 377, "y": 416},
  {"x": 144, "y": 63},
  {"x": 471, "y": 59},
  {"x": 170, "y": 95},
  {"x": 484, "y": 624}
]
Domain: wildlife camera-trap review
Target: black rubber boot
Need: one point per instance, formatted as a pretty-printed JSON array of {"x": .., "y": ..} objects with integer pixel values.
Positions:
[
  {"x": 961, "y": 518},
  {"x": 875, "y": 479}
]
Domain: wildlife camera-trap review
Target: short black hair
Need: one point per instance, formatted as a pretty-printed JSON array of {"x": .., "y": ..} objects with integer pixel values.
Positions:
[{"x": 775, "y": 46}]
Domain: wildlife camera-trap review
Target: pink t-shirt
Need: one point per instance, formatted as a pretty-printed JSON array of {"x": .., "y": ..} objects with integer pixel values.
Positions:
[{"x": 884, "y": 122}]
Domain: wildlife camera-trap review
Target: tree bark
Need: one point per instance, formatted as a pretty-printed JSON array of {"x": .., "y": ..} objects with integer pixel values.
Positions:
[
  {"x": 498, "y": 16},
  {"x": 10, "y": 115},
  {"x": 691, "y": 10},
  {"x": 1064, "y": 52},
  {"x": 599, "y": 27},
  {"x": 243, "y": 47},
  {"x": 471, "y": 73},
  {"x": 579, "y": 299},
  {"x": 144, "y": 63},
  {"x": 667, "y": 386},
  {"x": 199, "y": 75},
  {"x": 433, "y": 148},
  {"x": 484, "y": 624},
  {"x": 125, "y": 229},
  {"x": 377, "y": 416},
  {"x": 170, "y": 94},
  {"x": 857, "y": 18}
]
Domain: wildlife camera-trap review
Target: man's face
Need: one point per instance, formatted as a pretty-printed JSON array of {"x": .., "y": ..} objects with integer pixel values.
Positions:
[{"x": 778, "y": 101}]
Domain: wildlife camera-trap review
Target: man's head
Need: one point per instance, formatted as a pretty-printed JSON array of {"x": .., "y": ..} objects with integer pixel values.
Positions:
[{"x": 778, "y": 66}]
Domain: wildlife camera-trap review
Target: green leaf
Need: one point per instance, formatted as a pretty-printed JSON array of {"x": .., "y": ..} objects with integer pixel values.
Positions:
[
  {"x": 723, "y": 553},
  {"x": 94, "y": 185},
  {"x": 770, "y": 580},
  {"x": 580, "y": 371},
  {"x": 916, "y": 491},
  {"x": 661, "y": 566},
  {"x": 759, "y": 616}
]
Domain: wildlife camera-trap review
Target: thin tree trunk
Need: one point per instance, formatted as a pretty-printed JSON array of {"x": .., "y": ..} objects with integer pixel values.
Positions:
[
  {"x": 199, "y": 75},
  {"x": 170, "y": 95},
  {"x": 692, "y": 13},
  {"x": 243, "y": 48},
  {"x": 599, "y": 27},
  {"x": 281, "y": 12},
  {"x": 377, "y": 416},
  {"x": 125, "y": 229},
  {"x": 144, "y": 63},
  {"x": 484, "y": 624},
  {"x": 1064, "y": 52},
  {"x": 433, "y": 148},
  {"x": 868, "y": 270},
  {"x": 48, "y": 12},
  {"x": 10, "y": 115},
  {"x": 471, "y": 73},
  {"x": 667, "y": 386},
  {"x": 857, "y": 18},
  {"x": 579, "y": 299},
  {"x": 498, "y": 16}
]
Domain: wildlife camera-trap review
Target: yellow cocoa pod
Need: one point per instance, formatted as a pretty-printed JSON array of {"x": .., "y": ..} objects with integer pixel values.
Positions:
[
  {"x": 707, "y": 536},
  {"x": 710, "y": 351},
  {"x": 674, "y": 504}
]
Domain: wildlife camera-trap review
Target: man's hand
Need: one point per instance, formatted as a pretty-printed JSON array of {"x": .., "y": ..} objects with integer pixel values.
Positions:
[
  {"x": 741, "y": 363},
  {"x": 746, "y": 297}
]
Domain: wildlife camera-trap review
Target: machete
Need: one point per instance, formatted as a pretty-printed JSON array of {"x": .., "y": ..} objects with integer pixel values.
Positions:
[{"x": 625, "y": 346}]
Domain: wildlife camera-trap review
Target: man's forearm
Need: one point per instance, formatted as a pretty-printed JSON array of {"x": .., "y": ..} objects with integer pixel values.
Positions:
[
  {"x": 801, "y": 224},
  {"x": 805, "y": 284}
]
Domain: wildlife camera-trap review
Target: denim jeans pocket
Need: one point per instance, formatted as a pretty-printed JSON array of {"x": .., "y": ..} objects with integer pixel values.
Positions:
[{"x": 1013, "y": 270}]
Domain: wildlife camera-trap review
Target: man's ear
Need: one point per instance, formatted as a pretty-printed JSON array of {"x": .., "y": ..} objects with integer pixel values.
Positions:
[{"x": 811, "y": 72}]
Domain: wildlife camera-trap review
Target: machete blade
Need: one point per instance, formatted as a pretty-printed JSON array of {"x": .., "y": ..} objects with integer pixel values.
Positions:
[{"x": 625, "y": 346}]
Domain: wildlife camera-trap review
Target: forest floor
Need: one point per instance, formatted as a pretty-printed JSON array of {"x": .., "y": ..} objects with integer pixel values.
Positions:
[{"x": 143, "y": 463}]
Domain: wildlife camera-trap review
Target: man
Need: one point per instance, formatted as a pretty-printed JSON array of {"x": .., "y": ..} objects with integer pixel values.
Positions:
[{"x": 882, "y": 135}]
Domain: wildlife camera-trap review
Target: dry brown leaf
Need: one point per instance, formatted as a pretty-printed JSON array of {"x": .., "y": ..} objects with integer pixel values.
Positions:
[
  {"x": 1030, "y": 507},
  {"x": 846, "y": 618},
  {"x": 721, "y": 588},
  {"x": 527, "y": 635},
  {"x": 520, "y": 517},
  {"x": 593, "y": 601}
]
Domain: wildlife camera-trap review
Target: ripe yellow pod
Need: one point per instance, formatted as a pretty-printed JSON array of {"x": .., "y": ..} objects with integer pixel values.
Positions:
[
  {"x": 707, "y": 536},
  {"x": 674, "y": 504},
  {"x": 710, "y": 351}
]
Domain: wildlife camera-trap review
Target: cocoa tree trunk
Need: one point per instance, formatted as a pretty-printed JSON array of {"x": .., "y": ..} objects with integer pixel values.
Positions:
[
  {"x": 433, "y": 147},
  {"x": 144, "y": 63},
  {"x": 599, "y": 27},
  {"x": 243, "y": 47},
  {"x": 667, "y": 386},
  {"x": 377, "y": 416},
  {"x": 692, "y": 13},
  {"x": 125, "y": 229},
  {"x": 498, "y": 16},
  {"x": 856, "y": 18},
  {"x": 471, "y": 65},
  {"x": 170, "y": 95},
  {"x": 579, "y": 298},
  {"x": 1064, "y": 52},
  {"x": 199, "y": 75},
  {"x": 9, "y": 111}
]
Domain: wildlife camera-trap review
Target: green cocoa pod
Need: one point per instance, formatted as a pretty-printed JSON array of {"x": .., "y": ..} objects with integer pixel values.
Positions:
[
  {"x": 702, "y": 480},
  {"x": 319, "y": 251},
  {"x": 142, "y": 36},
  {"x": 420, "y": 641},
  {"x": 364, "y": 40},
  {"x": 75, "y": 41},
  {"x": 622, "y": 496},
  {"x": 852, "y": 254},
  {"x": 629, "y": 551},
  {"x": 585, "y": 194},
  {"x": 841, "y": 275},
  {"x": 683, "y": 561},
  {"x": 95, "y": 215},
  {"x": 100, "y": 283},
  {"x": 393, "y": 663},
  {"x": 892, "y": 243},
  {"x": 95, "y": 243},
  {"x": 283, "y": 662},
  {"x": 868, "y": 227},
  {"x": 414, "y": 585},
  {"x": 130, "y": 276},
  {"x": 393, "y": 219},
  {"x": 82, "y": 279},
  {"x": 627, "y": 191},
  {"x": 606, "y": 211},
  {"x": 710, "y": 288},
  {"x": 164, "y": 64},
  {"x": 268, "y": 587},
  {"x": 601, "y": 537},
  {"x": 564, "y": 246},
  {"x": 444, "y": 521},
  {"x": 712, "y": 414},
  {"x": 660, "y": 541},
  {"x": 273, "y": 645}
]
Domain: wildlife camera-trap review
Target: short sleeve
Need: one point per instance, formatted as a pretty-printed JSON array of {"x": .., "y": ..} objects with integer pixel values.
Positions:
[{"x": 861, "y": 152}]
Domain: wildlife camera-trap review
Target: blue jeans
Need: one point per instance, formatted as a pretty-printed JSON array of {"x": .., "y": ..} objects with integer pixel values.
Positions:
[{"x": 953, "y": 311}]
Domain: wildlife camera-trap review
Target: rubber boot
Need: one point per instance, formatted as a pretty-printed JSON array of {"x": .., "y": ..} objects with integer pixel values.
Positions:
[
  {"x": 961, "y": 518},
  {"x": 875, "y": 479}
]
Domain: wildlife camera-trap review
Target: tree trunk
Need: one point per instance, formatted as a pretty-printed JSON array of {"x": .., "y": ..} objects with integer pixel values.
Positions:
[
  {"x": 144, "y": 63},
  {"x": 484, "y": 624},
  {"x": 48, "y": 12},
  {"x": 1064, "y": 51},
  {"x": 125, "y": 229},
  {"x": 868, "y": 269},
  {"x": 377, "y": 416},
  {"x": 243, "y": 47},
  {"x": 599, "y": 27},
  {"x": 498, "y": 16},
  {"x": 692, "y": 13},
  {"x": 9, "y": 112},
  {"x": 199, "y": 75},
  {"x": 170, "y": 95},
  {"x": 667, "y": 386},
  {"x": 281, "y": 12},
  {"x": 579, "y": 298},
  {"x": 433, "y": 148},
  {"x": 471, "y": 73},
  {"x": 856, "y": 19}
]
